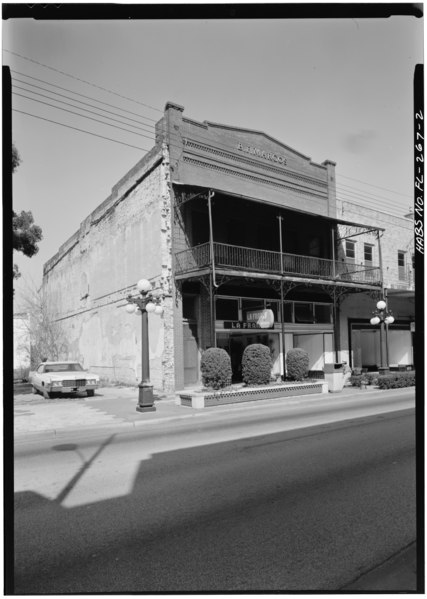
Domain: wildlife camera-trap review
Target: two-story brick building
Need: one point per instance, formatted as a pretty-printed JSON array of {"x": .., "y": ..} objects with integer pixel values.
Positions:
[{"x": 245, "y": 241}]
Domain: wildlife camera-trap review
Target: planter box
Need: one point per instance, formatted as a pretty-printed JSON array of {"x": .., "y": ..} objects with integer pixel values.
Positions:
[{"x": 207, "y": 399}]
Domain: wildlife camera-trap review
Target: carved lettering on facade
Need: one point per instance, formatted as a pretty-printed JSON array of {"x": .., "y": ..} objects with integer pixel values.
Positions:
[{"x": 263, "y": 154}]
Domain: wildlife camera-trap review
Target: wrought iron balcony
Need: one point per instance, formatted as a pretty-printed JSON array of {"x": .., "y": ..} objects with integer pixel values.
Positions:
[{"x": 239, "y": 258}]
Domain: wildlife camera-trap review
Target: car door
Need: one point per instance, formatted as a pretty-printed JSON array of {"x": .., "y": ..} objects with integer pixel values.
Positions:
[{"x": 37, "y": 378}]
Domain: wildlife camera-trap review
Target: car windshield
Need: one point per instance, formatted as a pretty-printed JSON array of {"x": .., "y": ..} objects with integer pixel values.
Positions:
[{"x": 63, "y": 367}]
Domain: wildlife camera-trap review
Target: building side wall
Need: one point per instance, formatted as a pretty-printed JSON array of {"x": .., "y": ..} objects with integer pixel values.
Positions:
[{"x": 121, "y": 242}]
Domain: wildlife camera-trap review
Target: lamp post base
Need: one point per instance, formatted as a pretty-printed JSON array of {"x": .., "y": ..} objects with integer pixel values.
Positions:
[{"x": 145, "y": 398}]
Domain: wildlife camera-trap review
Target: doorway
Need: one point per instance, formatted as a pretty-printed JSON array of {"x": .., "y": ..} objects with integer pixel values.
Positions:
[{"x": 236, "y": 343}]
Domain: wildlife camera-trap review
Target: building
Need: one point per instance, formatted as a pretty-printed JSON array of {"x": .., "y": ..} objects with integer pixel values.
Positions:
[{"x": 244, "y": 239}]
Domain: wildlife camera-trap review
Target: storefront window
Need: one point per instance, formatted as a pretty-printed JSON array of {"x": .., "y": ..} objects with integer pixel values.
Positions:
[
  {"x": 288, "y": 311},
  {"x": 323, "y": 313},
  {"x": 304, "y": 312},
  {"x": 227, "y": 309}
]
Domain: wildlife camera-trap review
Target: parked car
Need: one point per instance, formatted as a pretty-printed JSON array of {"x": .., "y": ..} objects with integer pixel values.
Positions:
[{"x": 52, "y": 378}]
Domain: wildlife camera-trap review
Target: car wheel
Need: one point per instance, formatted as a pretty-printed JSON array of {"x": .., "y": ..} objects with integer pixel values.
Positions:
[{"x": 90, "y": 392}]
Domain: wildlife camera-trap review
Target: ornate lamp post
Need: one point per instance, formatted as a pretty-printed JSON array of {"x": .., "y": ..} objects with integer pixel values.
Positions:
[
  {"x": 144, "y": 304},
  {"x": 385, "y": 317}
]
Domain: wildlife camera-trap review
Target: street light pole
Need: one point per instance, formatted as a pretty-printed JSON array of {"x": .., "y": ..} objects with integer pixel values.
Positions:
[
  {"x": 384, "y": 317},
  {"x": 144, "y": 304}
]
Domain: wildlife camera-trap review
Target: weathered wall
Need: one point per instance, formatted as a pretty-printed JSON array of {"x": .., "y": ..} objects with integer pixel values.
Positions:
[
  {"x": 398, "y": 236},
  {"x": 126, "y": 238}
]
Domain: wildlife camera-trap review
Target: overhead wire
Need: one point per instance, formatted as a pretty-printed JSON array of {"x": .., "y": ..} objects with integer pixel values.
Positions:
[
  {"x": 74, "y": 100},
  {"x": 354, "y": 192},
  {"x": 81, "y": 130},
  {"x": 85, "y": 96},
  {"x": 81, "y": 80},
  {"x": 72, "y": 105},
  {"x": 81, "y": 115}
]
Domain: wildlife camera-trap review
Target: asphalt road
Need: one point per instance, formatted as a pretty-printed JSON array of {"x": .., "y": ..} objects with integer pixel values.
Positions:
[{"x": 307, "y": 509}]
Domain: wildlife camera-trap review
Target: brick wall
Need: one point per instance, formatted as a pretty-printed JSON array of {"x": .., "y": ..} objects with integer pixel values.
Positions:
[{"x": 126, "y": 238}]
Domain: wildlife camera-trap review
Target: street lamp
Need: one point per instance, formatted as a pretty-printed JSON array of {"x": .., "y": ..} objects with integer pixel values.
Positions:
[
  {"x": 147, "y": 302},
  {"x": 384, "y": 317}
]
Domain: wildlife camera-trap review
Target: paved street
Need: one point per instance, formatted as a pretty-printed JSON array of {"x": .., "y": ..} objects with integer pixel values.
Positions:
[{"x": 247, "y": 499}]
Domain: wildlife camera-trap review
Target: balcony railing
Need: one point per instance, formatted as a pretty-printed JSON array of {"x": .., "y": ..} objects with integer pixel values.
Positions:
[{"x": 264, "y": 261}]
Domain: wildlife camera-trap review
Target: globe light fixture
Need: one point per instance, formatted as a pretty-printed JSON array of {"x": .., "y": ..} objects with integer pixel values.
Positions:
[
  {"x": 146, "y": 302},
  {"x": 144, "y": 286},
  {"x": 375, "y": 320},
  {"x": 381, "y": 305}
]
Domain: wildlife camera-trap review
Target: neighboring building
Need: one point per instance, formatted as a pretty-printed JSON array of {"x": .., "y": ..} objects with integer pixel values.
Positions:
[
  {"x": 233, "y": 228},
  {"x": 21, "y": 345}
]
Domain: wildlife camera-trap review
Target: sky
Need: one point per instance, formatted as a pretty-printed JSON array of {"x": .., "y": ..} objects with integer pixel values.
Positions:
[{"x": 338, "y": 89}]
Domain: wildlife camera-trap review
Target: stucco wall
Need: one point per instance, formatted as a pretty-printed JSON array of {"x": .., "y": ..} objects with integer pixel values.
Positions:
[{"x": 126, "y": 238}]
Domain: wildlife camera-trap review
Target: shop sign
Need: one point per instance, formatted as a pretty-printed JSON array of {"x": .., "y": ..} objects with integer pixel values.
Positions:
[
  {"x": 243, "y": 325},
  {"x": 255, "y": 319},
  {"x": 265, "y": 318}
]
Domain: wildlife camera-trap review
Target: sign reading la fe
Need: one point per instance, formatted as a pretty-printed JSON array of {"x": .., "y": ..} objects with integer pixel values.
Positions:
[{"x": 263, "y": 154}]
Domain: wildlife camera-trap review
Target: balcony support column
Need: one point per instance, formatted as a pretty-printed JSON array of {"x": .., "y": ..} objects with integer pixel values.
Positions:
[{"x": 282, "y": 312}]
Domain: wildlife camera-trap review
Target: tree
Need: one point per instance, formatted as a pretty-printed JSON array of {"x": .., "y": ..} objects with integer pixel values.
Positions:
[
  {"x": 26, "y": 234},
  {"x": 47, "y": 337}
]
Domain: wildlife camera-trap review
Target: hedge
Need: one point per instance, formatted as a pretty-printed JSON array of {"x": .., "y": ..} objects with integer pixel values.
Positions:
[
  {"x": 256, "y": 365},
  {"x": 396, "y": 380},
  {"x": 215, "y": 366},
  {"x": 297, "y": 364}
]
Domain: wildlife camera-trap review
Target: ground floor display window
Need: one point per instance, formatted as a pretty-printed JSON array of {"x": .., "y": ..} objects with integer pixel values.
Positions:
[
  {"x": 319, "y": 348},
  {"x": 366, "y": 346}
]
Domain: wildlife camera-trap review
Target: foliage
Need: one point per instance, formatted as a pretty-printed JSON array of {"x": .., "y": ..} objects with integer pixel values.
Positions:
[
  {"x": 297, "y": 364},
  {"x": 396, "y": 380},
  {"x": 357, "y": 380},
  {"x": 26, "y": 234},
  {"x": 216, "y": 368},
  {"x": 256, "y": 364},
  {"x": 47, "y": 337},
  {"x": 16, "y": 158}
]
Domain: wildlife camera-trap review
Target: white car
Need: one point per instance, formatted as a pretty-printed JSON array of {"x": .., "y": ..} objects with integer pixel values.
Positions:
[{"x": 52, "y": 378}]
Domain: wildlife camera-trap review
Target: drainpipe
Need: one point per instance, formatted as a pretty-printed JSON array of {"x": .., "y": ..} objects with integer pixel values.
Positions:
[
  {"x": 280, "y": 218},
  {"x": 213, "y": 284}
]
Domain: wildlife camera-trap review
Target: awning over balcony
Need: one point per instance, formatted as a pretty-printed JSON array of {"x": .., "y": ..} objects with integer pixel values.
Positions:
[{"x": 186, "y": 193}]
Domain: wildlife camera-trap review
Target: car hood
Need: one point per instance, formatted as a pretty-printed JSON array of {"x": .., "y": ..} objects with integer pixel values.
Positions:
[{"x": 70, "y": 374}]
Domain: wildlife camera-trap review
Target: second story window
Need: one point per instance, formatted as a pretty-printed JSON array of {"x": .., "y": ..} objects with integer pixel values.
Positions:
[
  {"x": 401, "y": 264},
  {"x": 368, "y": 253},
  {"x": 350, "y": 249}
]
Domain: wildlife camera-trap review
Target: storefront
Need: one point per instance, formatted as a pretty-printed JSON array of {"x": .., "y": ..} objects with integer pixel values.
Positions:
[{"x": 241, "y": 321}]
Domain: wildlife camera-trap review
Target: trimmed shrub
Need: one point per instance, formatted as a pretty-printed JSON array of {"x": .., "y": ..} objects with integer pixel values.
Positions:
[
  {"x": 297, "y": 364},
  {"x": 215, "y": 365},
  {"x": 256, "y": 364},
  {"x": 357, "y": 380},
  {"x": 396, "y": 380}
]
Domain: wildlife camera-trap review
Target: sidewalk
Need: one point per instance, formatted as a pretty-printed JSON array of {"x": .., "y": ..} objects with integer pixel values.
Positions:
[
  {"x": 110, "y": 407},
  {"x": 115, "y": 407}
]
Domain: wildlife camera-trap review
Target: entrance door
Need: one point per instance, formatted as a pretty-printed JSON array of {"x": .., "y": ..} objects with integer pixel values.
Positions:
[{"x": 191, "y": 354}]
